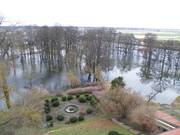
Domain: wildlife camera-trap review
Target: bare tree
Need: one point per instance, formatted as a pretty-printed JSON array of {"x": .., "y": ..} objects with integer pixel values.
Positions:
[{"x": 120, "y": 102}]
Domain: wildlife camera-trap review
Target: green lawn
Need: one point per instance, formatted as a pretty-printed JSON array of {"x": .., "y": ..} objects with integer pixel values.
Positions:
[{"x": 93, "y": 126}]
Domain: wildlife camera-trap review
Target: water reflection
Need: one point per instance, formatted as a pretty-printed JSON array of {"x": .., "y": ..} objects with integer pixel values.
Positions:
[{"x": 147, "y": 70}]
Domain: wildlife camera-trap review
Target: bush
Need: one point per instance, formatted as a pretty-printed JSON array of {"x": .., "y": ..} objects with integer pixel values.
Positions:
[
  {"x": 93, "y": 101},
  {"x": 82, "y": 99},
  {"x": 55, "y": 103},
  {"x": 69, "y": 97},
  {"x": 47, "y": 101},
  {"x": 78, "y": 95},
  {"x": 73, "y": 119},
  {"x": 120, "y": 102},
  {"x": 54, "y": 99},
  {"x": 60, "y": 117},
  {"x": 46, "y": 104},
  {"x": 47, "y": 109},
  {"x": 81, "y": 118},
  {"x": 114, "y": 133},
  {"x": 64, "y": 98},
  {"x": 143, "y": 118},
  {"x": 117, "y": 82},
  {"x": 89, "y": 97},
  {"x": 89, "y": 111},
  {"x": 49, "y": 118}
]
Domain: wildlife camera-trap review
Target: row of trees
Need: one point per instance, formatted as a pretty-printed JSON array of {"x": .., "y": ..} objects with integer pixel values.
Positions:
[
  {"x": 159, "y": 63},
  {"x": 93, "y": 45}
]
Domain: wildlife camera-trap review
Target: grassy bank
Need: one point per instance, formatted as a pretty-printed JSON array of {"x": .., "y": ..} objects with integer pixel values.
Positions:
[{"x": 94, "y": 126}]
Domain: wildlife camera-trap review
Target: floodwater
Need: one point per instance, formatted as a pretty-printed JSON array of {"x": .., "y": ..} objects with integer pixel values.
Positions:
[{"x": 143, "y": 71}]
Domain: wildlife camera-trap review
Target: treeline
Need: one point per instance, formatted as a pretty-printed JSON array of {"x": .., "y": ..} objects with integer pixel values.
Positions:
[
  {"x": 58, "y": 47},
  {"x": 94, "y": 46}
]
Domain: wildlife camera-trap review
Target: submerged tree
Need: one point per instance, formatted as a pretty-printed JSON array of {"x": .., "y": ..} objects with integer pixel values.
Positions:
[
  {"x": 97, "y": 45},
  {"x": 160, "y": 64}
]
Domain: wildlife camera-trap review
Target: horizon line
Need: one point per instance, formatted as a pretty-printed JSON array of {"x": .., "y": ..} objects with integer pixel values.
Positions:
[{"x": 60, "y": 25}]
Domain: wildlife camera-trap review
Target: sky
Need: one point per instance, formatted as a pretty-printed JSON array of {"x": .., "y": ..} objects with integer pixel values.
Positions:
[{"x": 109, "y": 13}]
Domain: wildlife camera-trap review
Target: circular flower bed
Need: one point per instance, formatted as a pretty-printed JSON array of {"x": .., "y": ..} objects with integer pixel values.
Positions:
[{"x": 71, "y": 108}]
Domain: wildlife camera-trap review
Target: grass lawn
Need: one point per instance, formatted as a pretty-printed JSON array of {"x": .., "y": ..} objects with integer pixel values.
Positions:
[{"x": 93, "y": 126}]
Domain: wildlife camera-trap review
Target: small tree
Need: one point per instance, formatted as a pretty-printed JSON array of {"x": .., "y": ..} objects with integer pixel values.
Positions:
[
  {"x": 3, "y": 84},
  {"x": 74, "y": 81},
  {"x": 27, "y": 109}
]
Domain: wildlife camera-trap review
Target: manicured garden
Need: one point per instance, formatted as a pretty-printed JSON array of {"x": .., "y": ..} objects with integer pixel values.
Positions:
[
  {"x": 77, "y": 115},
  {"x": 68, "y": 109},
  {"x": 84, "y": 114}
]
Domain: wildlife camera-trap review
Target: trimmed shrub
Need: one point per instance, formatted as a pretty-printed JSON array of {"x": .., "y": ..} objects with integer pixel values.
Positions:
[
  {"x": 55, "y": 103},
  {"x": 93, "y": 101},
  {"x": 46, "y": 101},
  {"x": 89, "y": 111},
  {"x": 60, "y": 117},
  {"x": 47, "y": 109},
  {"x": 82, "y": 99},
  {"x": 64, "y": 98},
  {"x": 49, "y": 118},
  {"x": 69, "y": 97},
  {"x": 54, "y": 99},
  {"x": 114, "y": 133},
  {"x": 46, "y": 104},
  {"x": 78, "y": 95},
  {"x": 73, "y": 119},
  {"x": 117, "y": 82},
  {"x": 89, "y": 97},
  {"x": 81, "y": 118}
]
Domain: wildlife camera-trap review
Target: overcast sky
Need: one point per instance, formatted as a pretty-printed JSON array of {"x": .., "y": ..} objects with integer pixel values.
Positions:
[{"x": 112, "y": 13}]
